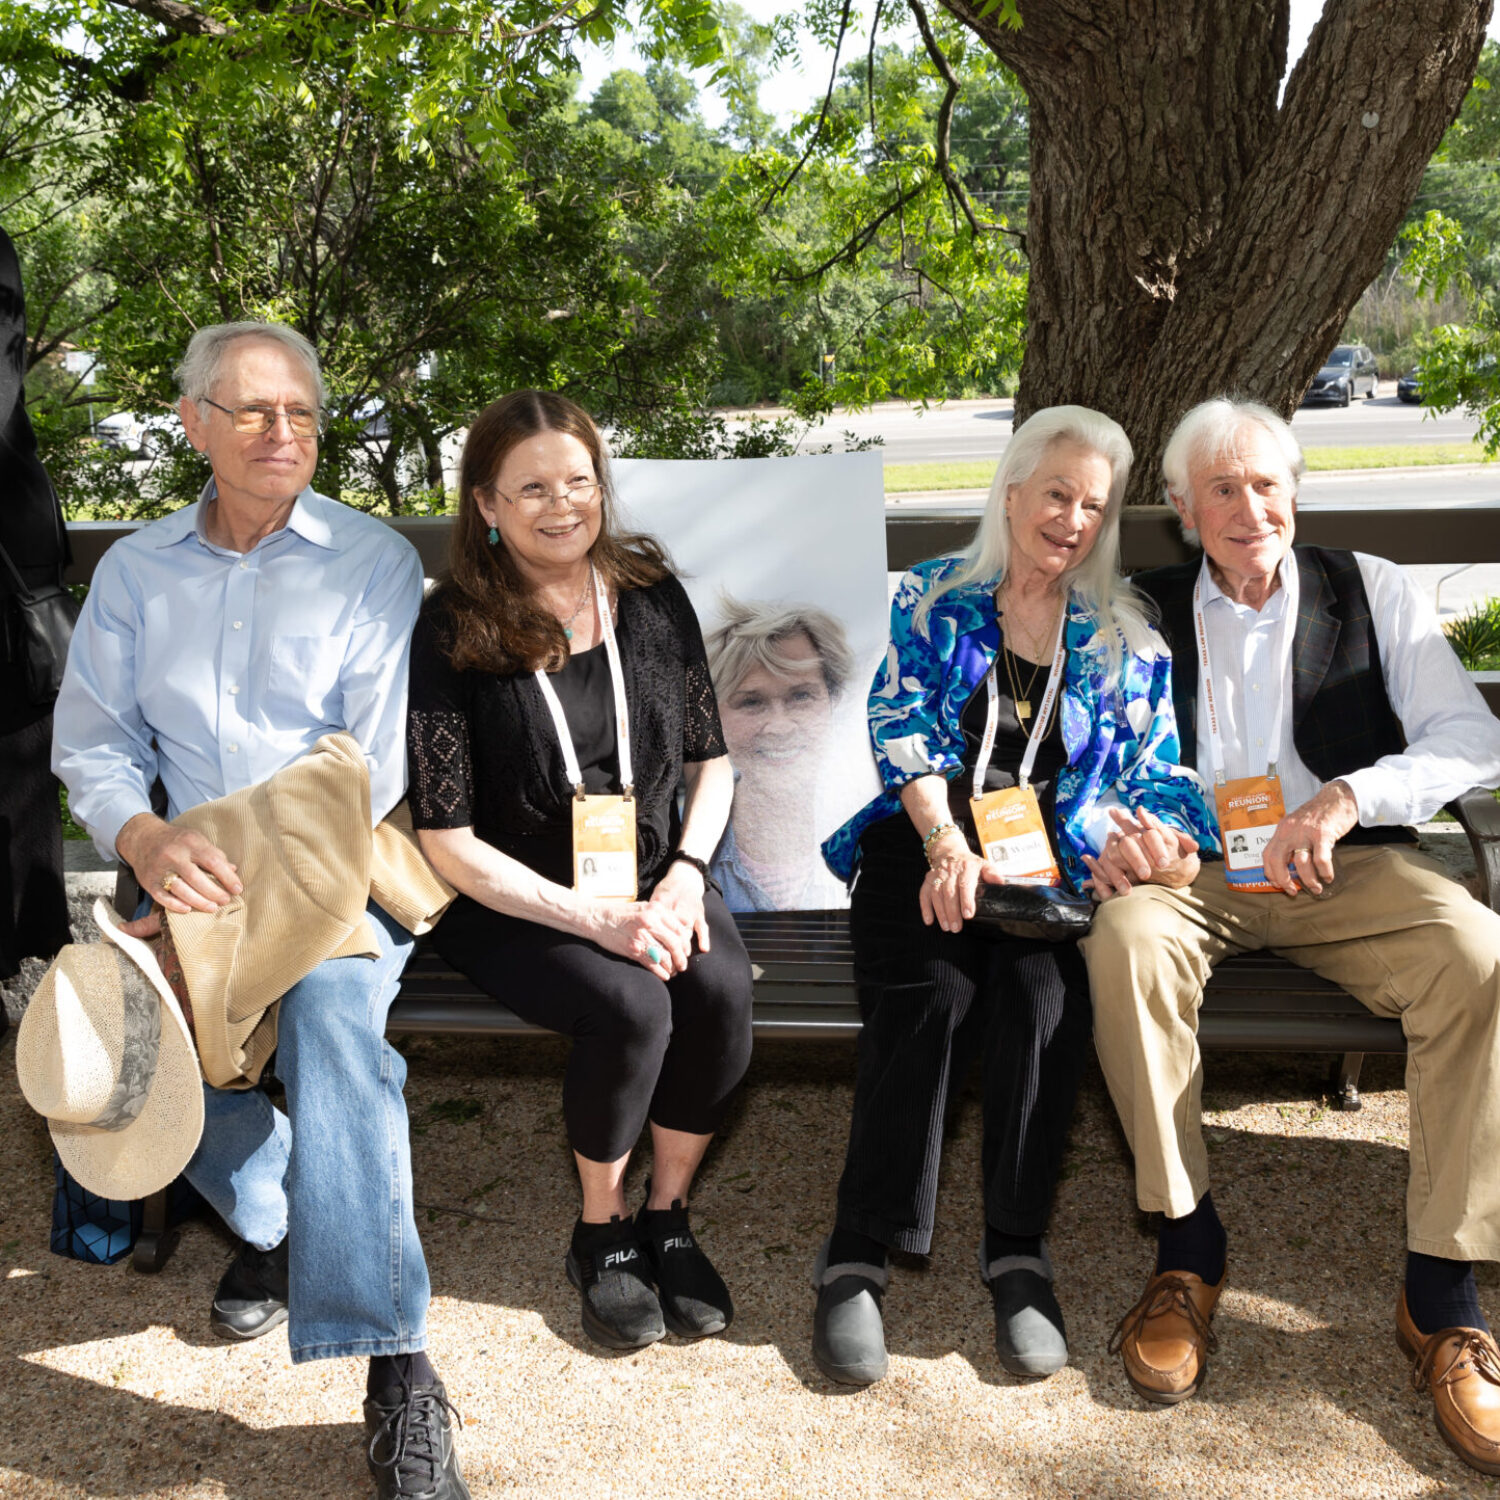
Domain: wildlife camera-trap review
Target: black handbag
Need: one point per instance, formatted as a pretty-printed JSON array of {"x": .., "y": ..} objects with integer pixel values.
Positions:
[
  {"x": 41, "y": 626},
  {"x": 1043, "y": 913}
]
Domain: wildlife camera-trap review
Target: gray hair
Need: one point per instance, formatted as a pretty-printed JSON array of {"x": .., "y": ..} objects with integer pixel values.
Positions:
[
  {"x": 1214, "y": 429},
  {"x": 1096, "y": 582},
  {"x": 748, "y": 635},
  {"x": 201, "y": 366}
]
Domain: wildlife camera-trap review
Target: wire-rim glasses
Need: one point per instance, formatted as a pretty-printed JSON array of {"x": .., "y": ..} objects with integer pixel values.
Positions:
[
  {"x": 537, "y": 497},
  {"x": 255, "y": 418}
]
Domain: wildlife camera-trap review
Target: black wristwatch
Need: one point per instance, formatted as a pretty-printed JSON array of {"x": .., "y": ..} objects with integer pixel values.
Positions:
[{"x": 709, "y": 883}]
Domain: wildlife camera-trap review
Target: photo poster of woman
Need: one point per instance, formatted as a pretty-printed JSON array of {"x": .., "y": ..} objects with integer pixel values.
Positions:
[{"x": 784, "y": 560}]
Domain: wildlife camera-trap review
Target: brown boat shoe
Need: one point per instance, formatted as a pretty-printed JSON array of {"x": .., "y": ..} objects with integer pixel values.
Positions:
[
  {"x": 1165, "y": 1340},
  {"x": 1461, "y": 1367}
]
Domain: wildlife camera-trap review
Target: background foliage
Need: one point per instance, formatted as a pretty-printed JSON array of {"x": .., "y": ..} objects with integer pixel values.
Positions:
[{"x": 430, "y": 201}]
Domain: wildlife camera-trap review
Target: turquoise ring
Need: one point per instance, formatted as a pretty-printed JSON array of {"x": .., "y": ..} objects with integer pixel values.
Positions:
[{"x": 655, "y": 954}]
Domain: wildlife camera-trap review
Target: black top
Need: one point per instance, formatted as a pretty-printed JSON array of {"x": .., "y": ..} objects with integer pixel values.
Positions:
[
  {"x": 484, "y": 753},
  {"x": 896, "y": 836}
]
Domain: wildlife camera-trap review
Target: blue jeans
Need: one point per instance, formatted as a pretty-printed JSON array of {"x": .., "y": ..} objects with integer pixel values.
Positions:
[{"x": 335, "y": 1170}]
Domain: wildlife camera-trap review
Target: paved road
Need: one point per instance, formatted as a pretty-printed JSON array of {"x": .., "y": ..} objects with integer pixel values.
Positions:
[{"x": 980, "y": 429}]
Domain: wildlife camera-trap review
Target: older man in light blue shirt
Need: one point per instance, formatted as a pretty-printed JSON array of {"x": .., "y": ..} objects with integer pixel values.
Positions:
[{"x": 216, "y": 647}]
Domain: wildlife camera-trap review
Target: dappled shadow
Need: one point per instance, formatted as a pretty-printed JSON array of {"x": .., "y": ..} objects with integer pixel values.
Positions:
[{"x": 1307, "y": 1388}]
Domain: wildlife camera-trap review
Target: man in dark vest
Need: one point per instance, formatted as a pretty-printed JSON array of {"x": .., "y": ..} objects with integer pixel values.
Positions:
[{"x": 1318, "y": 697}]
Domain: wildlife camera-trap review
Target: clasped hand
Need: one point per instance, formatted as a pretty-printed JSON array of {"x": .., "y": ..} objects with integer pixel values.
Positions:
[
  {"x": 1141, "y": 850},
  {"x": 658, "y": 934}
]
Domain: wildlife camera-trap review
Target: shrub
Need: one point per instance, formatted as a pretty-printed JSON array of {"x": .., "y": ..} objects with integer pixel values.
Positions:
[{"x": 1475, "y": 635}]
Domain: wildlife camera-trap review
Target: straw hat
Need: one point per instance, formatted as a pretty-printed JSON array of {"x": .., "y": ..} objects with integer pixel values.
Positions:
[{"x": 104, "y": 1053}]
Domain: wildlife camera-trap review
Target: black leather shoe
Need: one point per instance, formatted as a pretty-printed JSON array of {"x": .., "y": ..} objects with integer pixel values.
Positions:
[
  {"x": 848, "y": 1340},
  {"x": 694, "y": 1300},
  {"x": 251, "y": 1297},
  {"x": 411, "y": 1451},
  {"x": 618, "y": 1303}
]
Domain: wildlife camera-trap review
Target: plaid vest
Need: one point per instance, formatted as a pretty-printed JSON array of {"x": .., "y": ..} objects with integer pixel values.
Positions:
[{"x": 1342, "y": 720}]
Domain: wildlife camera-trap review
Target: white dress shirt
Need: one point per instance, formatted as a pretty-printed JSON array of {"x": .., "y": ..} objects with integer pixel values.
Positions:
[
  {"x": 1453, "y": 740},
  {"x": 214, "y": 669}
]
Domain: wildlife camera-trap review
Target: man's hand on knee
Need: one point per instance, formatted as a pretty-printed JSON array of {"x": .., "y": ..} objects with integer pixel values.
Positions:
[
  {"x": 1300, "y": 852},
  {"x": 176, "y": 866}
]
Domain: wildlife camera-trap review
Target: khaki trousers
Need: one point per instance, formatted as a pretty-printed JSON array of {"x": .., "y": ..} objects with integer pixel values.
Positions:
[{"x": 1395, "y": 932}]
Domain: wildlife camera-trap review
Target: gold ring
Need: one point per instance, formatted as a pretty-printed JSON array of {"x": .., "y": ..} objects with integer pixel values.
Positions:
[{"x": 168, "y": 881}]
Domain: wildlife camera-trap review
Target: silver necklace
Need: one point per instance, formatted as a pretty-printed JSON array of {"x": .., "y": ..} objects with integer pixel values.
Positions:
[{"x": 583, "y": 598}]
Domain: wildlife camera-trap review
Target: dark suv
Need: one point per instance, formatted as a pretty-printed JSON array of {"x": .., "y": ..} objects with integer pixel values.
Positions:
[{"x": 1348, "y": 372}]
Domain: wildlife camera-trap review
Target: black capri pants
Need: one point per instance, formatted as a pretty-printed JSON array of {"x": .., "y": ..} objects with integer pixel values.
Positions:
[
  {"x": 929, "y": 1001},
  {"x": 669, "y": 1051}
]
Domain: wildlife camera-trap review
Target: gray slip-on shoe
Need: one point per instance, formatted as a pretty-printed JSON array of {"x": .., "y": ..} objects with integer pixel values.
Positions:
[
  {"x": 1030, "y": 1338},
  {"x": 848, "y": 1331}
]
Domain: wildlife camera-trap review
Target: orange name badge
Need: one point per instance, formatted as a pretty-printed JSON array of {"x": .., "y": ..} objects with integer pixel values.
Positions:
[
  {"x": 1012, "y": 836},
  {"x": 604, "y": 847},
  {"x": 1249, "y": 810}
]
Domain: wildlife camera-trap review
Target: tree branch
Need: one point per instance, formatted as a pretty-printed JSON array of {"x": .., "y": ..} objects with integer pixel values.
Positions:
[
  {"x": 833, "y": 78},
  {"x": 861, "y": 237},
  {"x": 942, "y": 146},
  {"x": 177, "y": 16}
]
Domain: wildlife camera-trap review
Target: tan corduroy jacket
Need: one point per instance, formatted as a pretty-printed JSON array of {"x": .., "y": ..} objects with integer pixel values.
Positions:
[{"x": 309, "y": 863}]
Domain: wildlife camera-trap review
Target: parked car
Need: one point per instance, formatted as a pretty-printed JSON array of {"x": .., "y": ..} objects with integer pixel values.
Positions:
[
  {"x": 133, "y": 433},
  {"x": 1349, "y": 371},
  {"x": 1407, "y": 389}
]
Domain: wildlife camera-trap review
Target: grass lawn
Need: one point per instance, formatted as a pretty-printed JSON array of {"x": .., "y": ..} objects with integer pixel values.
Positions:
[{"x": 904, "y": 478}]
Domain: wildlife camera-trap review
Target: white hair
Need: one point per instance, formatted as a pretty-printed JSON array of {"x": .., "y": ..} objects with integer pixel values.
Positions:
[
  {"x": 750, "y": 635},
  {"x": 203, "y": 363},
  {"x": 1215, "y": 429},
  {"x": 1096, "y": 582}
]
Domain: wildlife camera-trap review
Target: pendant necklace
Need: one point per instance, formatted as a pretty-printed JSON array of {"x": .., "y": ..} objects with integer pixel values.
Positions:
[
  {"x": 1021, "y": 696},
  {"x": 583, "y": 598}
]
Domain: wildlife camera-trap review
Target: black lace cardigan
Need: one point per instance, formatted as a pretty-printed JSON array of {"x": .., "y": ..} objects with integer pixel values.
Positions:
[{"x": 482, "y": 750}]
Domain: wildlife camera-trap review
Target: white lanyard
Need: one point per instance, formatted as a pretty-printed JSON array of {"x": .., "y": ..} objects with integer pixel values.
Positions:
[
  {"x": 1206, "y": 687},
  {"x": 617, "y": 681},
  {"x": 992, "y": 713}
]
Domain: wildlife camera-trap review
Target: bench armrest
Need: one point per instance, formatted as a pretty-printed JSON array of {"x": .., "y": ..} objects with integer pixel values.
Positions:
[{"x": 1479, "y": 815}]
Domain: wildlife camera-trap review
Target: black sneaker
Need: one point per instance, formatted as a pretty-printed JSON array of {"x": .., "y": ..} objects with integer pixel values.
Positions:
[
  {"x": 694, "y": 1300},
  {"x": 609, "y": 1268},
  {"x": 252, "y": 1293},
  {"x": 411, "y": 1453}
]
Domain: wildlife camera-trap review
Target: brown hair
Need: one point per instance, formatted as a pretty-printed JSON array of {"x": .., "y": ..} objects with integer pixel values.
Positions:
[{"x": 494, "y": 626}]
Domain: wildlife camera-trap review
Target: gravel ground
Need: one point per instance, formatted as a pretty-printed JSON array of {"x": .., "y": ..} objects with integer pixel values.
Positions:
[{"x": 112, "y": 1385}]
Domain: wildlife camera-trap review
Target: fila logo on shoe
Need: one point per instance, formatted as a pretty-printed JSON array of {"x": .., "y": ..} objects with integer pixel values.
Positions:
[
  {"x": 679, "y": 1242},
  {"x": 619, "y": 1257}
]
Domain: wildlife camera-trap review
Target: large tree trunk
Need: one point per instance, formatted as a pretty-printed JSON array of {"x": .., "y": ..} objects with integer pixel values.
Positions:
[{"x": 1186, "y": 236}]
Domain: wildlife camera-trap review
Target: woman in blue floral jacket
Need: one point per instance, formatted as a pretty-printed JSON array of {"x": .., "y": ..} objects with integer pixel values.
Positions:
[{"x": 932, "y": 990}]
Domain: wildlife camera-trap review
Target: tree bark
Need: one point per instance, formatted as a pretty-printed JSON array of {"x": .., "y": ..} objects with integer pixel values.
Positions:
[{"x": 1187, "y": 237}]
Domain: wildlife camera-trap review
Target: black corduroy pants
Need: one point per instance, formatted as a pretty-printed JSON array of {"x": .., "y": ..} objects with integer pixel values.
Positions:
[{"x": 929, "y": 1001}]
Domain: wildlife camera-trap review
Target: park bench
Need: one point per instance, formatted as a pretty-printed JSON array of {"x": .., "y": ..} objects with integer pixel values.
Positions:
[{"x": 804, "y": 976}]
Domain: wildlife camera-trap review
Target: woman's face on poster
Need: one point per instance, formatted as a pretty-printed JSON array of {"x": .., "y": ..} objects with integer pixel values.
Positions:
[{"x": 776, "y": 723}]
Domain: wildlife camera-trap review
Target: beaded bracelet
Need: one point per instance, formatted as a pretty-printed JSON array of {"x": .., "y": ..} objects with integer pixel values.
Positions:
[{"x": 942, "y": 830}]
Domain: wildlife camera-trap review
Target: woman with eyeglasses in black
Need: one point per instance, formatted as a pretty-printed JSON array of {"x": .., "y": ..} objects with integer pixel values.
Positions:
[{"x": 559, "y": 695}]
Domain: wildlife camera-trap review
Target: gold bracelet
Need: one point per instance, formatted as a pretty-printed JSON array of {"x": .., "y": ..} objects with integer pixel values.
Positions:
[{"x": 942, "y": 830}]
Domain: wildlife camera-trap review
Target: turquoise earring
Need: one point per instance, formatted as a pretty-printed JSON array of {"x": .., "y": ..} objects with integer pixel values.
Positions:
[{"x": 493, "y": 538}]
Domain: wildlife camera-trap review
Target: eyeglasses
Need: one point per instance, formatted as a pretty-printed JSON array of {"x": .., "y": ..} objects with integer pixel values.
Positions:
[
  {"x": 256, "y": 418},
  {"x": 537, "y": 497}
]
